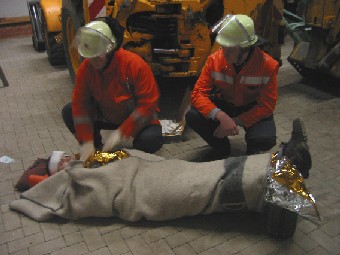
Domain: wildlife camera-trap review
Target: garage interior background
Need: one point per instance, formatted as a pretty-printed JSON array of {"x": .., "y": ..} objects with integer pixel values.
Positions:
[{"x": 14, "y": 18}]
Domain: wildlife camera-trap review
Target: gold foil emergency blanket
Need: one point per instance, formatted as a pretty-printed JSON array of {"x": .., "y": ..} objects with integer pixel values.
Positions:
[
  {"x": 285, "y": 187},
  {"x": 102, "y": 158}
]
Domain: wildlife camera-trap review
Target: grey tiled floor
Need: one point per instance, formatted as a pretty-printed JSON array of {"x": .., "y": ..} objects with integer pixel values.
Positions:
[{"x": 31, "y": 126}]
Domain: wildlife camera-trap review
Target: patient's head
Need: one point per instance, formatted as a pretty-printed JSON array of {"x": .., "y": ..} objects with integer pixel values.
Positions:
[{"x": 59, "y": 160}]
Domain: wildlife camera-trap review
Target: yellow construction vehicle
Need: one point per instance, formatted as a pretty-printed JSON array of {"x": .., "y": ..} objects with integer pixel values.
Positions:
[
  {"x": 45, "y": 17},
  {"x": 315, "y": 29},
  {"x": 173, "y": 36}
]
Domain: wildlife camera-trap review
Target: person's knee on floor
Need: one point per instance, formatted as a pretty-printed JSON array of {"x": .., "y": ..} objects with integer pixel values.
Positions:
[
  {"x": 149, "y": 140},
  {"x": 220, "y": 150},
  {"x": 260, "y": 145}
]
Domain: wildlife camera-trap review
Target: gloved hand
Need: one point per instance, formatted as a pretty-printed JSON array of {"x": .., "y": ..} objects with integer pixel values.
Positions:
[
  {"x": 113, "y": 140},
  {"x": 86, "y": 150}
]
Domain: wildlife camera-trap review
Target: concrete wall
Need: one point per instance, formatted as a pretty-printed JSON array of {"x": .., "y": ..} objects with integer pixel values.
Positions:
[
  {"x": 14, "y": 19},
  {"x": 13, "y": 8}
]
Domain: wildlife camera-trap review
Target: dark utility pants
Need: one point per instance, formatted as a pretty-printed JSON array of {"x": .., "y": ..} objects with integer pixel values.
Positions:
[
  {"x": 259, "y": 138},
  {"x": 149, "y": 139}
]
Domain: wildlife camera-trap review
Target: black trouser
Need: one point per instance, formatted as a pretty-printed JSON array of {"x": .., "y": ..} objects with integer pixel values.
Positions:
[
  {"x": 259, "y": 138},
  {"x": 149, "y": 139}
]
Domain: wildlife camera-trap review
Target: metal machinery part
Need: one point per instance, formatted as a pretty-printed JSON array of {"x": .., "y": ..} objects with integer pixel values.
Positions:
[
  {"x": 174, "y": 36},
  {"x": 316, "y": 34}
]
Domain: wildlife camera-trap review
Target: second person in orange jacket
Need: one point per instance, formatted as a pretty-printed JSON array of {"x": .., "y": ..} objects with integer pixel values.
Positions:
[
  {"x": 237, "y": 88},
  {"x": 115, "y": 90}
]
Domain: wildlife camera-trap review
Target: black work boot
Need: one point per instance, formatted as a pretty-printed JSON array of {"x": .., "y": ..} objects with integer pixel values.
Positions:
[
  {"x": 281, "y": 222},
  {"x": 297, "y": 149}
]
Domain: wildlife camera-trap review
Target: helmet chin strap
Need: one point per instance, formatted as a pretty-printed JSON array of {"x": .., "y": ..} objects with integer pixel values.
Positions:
[
  {"x": 241, "y": 59},
  {"x": 109, "y": 57}
]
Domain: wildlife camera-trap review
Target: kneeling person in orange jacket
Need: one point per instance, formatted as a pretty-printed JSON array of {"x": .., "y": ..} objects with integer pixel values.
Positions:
[
  {"x": 115, "y": 90},
  {"x": 237, "y": 88}
]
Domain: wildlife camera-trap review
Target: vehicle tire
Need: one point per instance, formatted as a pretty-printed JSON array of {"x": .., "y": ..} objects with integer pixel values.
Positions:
[
  {"x": 54, "y": 47},
  {"x": 38, "y": 40},
  {"x": 38, "y": 45},
  {"x": 72, "y": 20},
  {"x": 280, "y": 222}
]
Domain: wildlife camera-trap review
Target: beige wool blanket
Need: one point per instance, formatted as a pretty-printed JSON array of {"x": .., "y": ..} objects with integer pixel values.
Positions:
[{"x": 148, "y": 186}]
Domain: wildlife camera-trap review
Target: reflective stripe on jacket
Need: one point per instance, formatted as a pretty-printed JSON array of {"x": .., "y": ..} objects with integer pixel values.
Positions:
[
  {"x": 125, "y": 94},
  {"x": 257, "y": 81}
]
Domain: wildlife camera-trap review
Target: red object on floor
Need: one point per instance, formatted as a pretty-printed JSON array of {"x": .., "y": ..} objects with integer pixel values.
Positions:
[{"x": 35, "y": 179}]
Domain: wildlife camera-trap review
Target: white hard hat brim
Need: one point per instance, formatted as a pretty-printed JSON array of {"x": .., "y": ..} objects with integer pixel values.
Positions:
[
  {"x": 91, "y": 43},
  {"x": 227, "y": 43},
  {"x": 235, "y": 30}
]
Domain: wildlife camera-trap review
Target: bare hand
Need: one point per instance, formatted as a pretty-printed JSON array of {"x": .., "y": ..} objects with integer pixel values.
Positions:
[
  {"x": 227, "y": 126},
  {"x": 112, "y": 141},
  {"x": 86, "y": 150}
]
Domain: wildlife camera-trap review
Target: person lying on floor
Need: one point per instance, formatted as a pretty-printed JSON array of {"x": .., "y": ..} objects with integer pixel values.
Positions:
[
  {"x": 59, "y": 160},
  {"x": 147, "y": 186}
]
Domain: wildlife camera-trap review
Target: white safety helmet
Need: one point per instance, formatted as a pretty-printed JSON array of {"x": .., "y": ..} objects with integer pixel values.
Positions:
[
  {"x": 95, "y": 39},
  {"x": 235, "y": 30}
]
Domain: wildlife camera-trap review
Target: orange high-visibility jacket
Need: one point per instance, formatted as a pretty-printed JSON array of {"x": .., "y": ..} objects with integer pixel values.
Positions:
[
  {"x": 126, "y": 94},
  {"x": 257, "y": 81}
]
